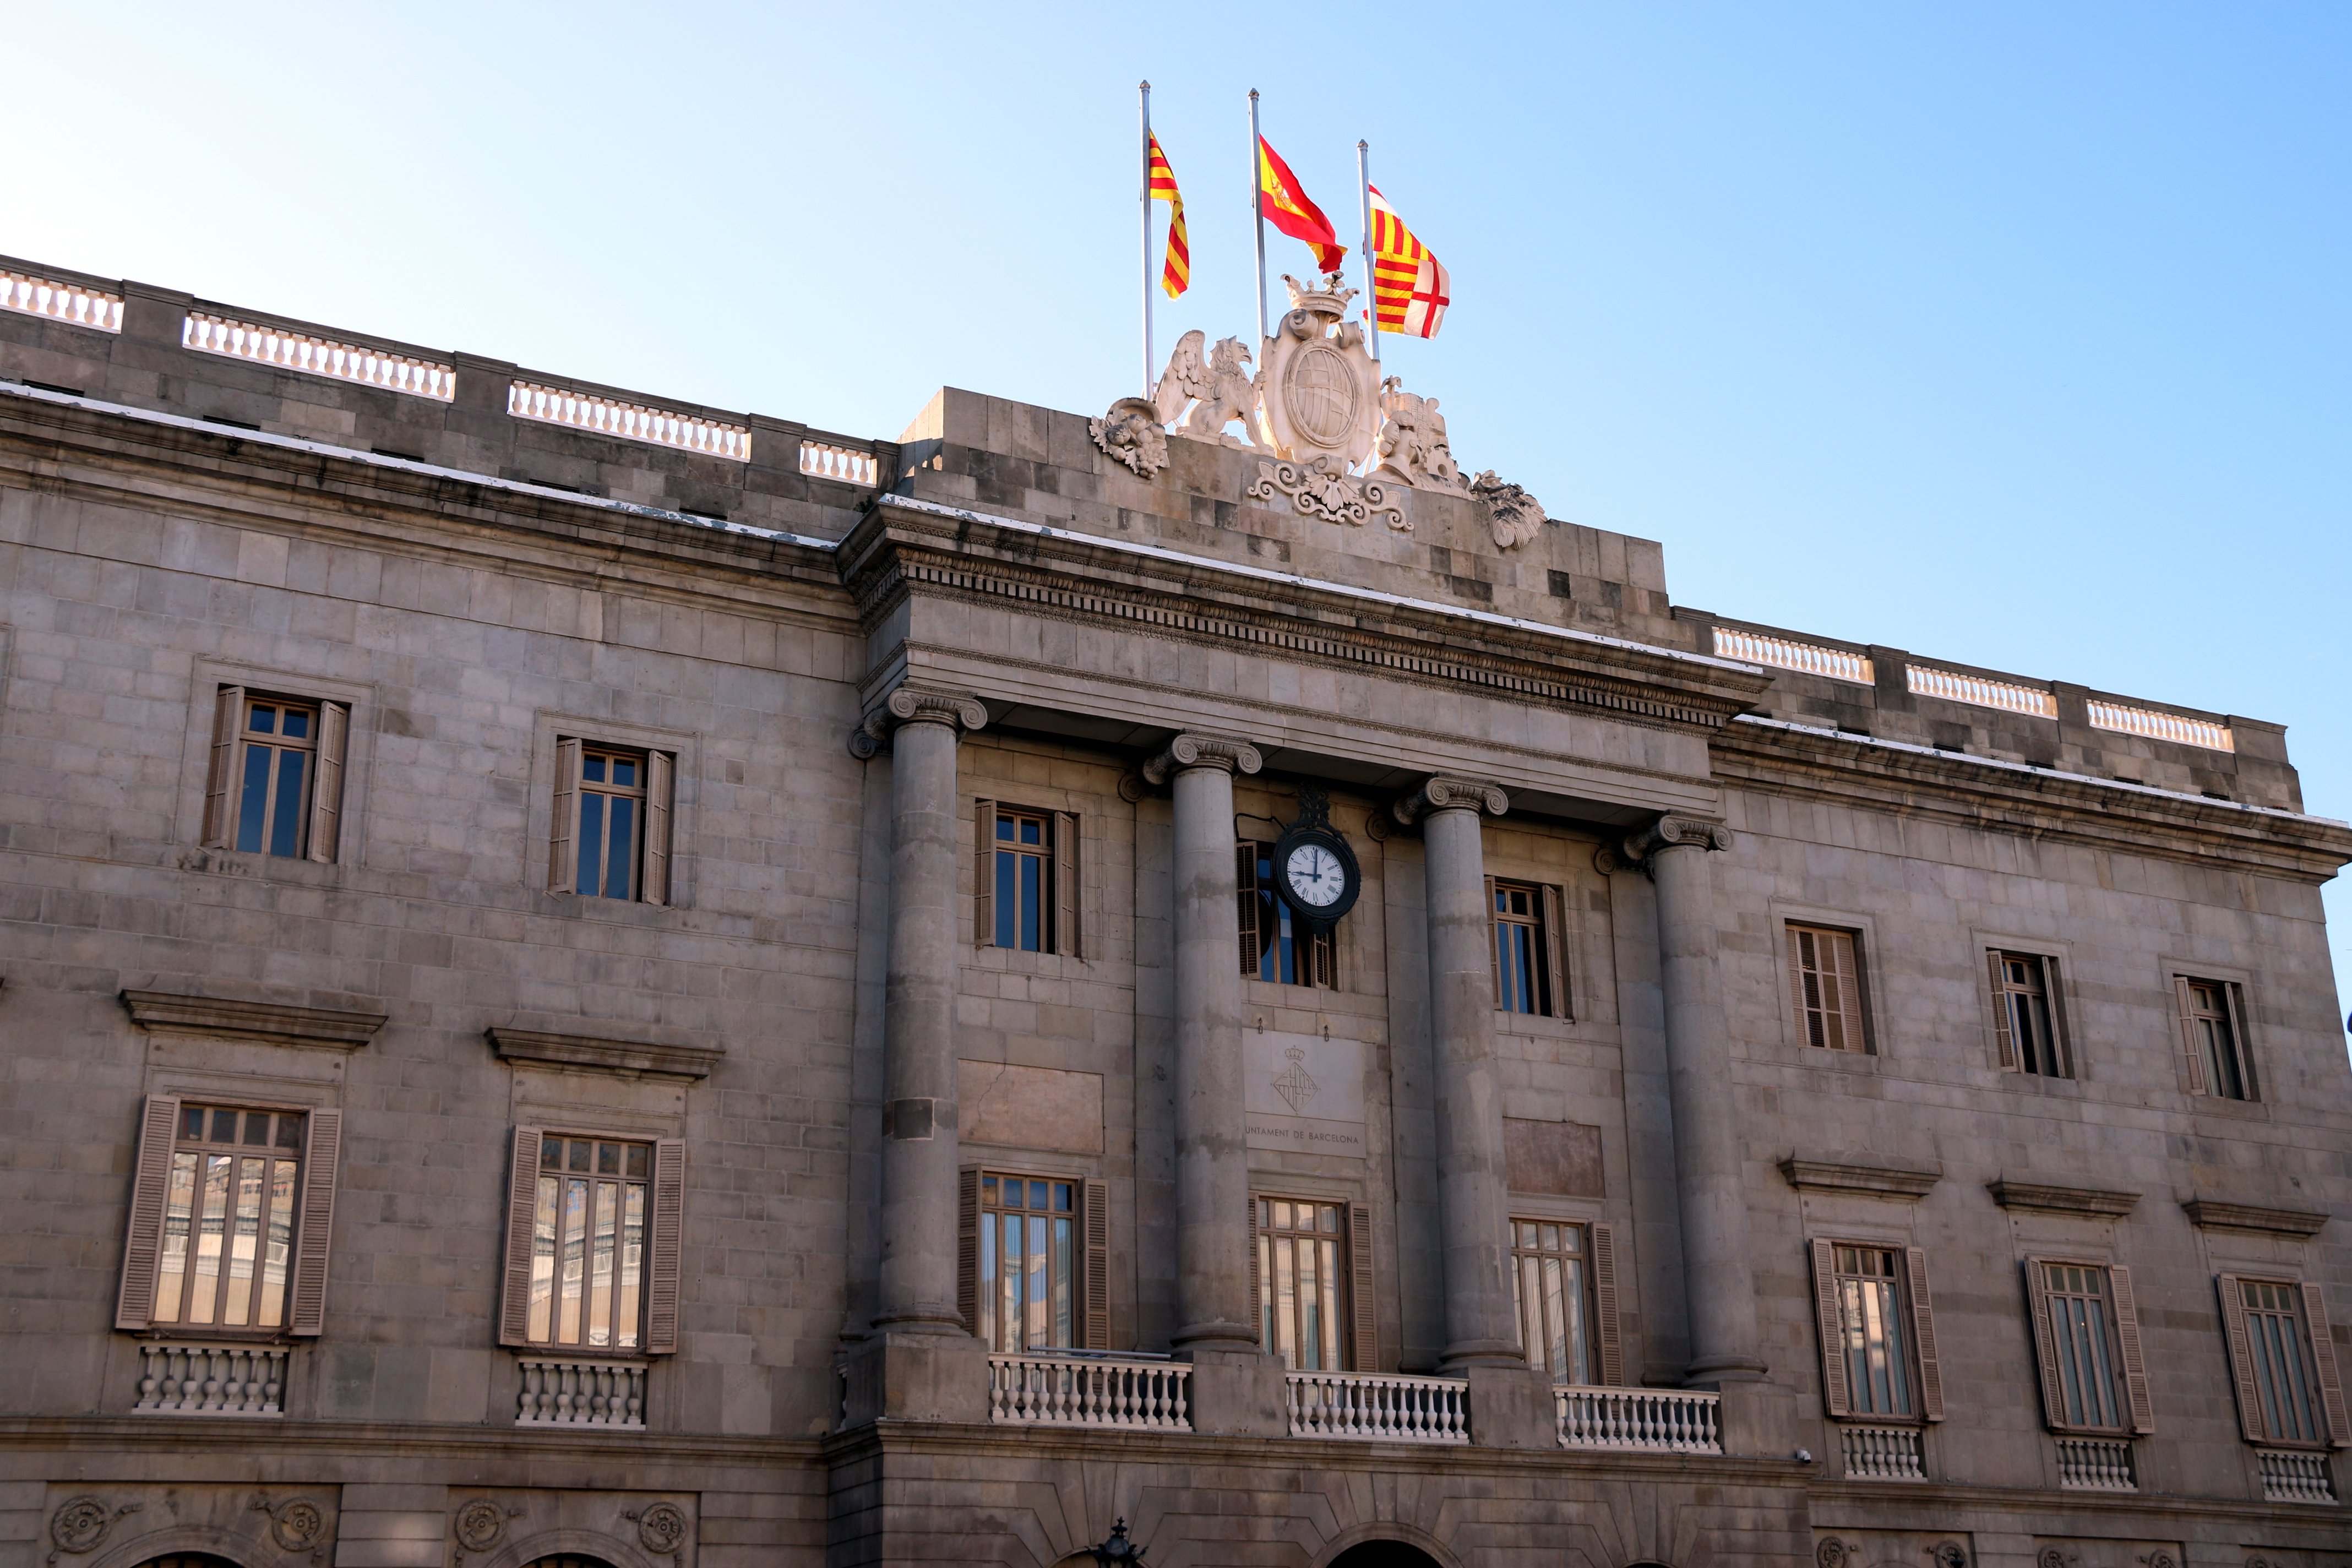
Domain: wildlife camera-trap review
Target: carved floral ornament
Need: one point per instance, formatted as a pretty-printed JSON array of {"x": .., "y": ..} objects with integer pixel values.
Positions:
[
  {"x": 297, "y": 1525},
  {"x": 661, "y": 1527},
  {"x": 81, "y": 1524},
  {"x": 1834, "y": 1552},
  {"x": 1339, "y": 438}
]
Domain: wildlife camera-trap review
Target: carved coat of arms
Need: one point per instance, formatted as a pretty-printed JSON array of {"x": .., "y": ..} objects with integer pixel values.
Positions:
[{"x": 1319, "y": 387}]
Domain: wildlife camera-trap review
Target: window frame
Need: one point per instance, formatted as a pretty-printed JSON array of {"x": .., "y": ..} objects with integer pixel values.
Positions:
[
  {"x": 1090, "y": 1277},
  {"x": 2127, "y": 1366},
  {"x": 665, "y": 1224},
  {"x": 1318, "y": 965},
  {"x": 1061, "y": 916},
  {"x": 2233, "y": 1013},
  {"x": 1357, "y": 1312},
  {"x": 1997, "y": 955},
  {"x": 1854, "y": 1011},
  {"x": 309, "y": 1247},
  {"x": 1547, "y": 921},
  {"x": 652, "y": 850},
  {"x": 1914, "y": 1321},
  {"x": 1599, "y": 1296},
  {"x": 2328, "y": 1405},
  {"x": 319, "y": 810}
]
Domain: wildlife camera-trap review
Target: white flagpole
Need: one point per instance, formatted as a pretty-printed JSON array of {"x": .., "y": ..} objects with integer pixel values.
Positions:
[
  {"x": 1257, "y": 213},
  {"x": 1371, "y": 301},
  {"x": 1143, "y": 93}
]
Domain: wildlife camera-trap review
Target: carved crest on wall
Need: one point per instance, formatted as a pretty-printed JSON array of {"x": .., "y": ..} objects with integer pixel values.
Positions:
[
  {"x": 1318, "y": 390},
  {"x": 1130, "y": 434},
  {"x": 1323, "y": 487}
]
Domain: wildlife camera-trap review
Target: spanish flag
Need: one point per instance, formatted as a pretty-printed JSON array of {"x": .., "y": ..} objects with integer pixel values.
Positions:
[
  {"x": 1289, "y": 210},
  {"x": 1410, "y": 289},
  {"x": 1177, "y": 275}
]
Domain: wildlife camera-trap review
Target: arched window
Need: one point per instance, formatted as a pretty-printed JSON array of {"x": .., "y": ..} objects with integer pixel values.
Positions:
[
  {"x": 189, "y": 1560},
  {"x": 1384, "y": 1554}
]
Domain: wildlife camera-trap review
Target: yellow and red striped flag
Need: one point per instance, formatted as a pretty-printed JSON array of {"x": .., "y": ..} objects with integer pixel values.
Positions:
[
  {"x": 1177, "y": 275},
  {"x": 1410, "y": 288},
  {"x": 1287, "y": 207}
]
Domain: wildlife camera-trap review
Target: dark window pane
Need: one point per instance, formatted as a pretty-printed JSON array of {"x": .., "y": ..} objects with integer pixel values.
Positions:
[
  {"x": 289, "y": 1132},
  {"x": 257, "y": 1128},
  {"x": 1031, "y": 831},
  {"x": 191, "y": 1122},
  {"x": 592, "y": 768},
  {"x": 618, "y": 860},
  {"x": 286, "y": 819},
  {"x": 298, "y": 724},
  {"x": 265, "y": 721},
  {"x": 592, "y": 841},
  {"x": 1031, "y": 937},
  {"x": 608, "y": 1159},
  {"x": 580, "y": 1155},
  {"x": 550, "y": 1153},
  {"x": 252, "y": 804},
  {"x": 224, "y": 1126},
  {"x": 1004, "y": 828},
  {"x": 624, "y": 771},
  {"x": 1008, "y": 912}
]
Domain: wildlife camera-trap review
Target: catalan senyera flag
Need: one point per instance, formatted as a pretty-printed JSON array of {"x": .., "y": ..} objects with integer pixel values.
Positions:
[
  {"x": 1288, "y": 209},
  {"x": 1177, "y": 275},
  {"x": 1410, "y": 288}
]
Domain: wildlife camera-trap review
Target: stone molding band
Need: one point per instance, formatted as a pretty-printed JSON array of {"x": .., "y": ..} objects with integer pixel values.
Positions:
[
  {"x": 960, "y": 710},
  {"x": 1197, "y": 751},
  {"x": 1440, "y": 792}
]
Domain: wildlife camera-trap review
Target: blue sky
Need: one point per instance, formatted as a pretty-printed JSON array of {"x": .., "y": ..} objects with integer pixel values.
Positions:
[{"x": 2012, "y": 334}]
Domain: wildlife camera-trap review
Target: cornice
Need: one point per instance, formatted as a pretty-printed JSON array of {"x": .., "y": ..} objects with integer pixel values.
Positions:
[
  {"x": 275, "y": 1023},
  {"x": 2045, "y": 1197},
  {"x": 1907, "y": 1183},
  {"x": 2212, "y": 1214},
  {"x": 622, "y": 1059},
  {"x": 2018, "y": 799}
]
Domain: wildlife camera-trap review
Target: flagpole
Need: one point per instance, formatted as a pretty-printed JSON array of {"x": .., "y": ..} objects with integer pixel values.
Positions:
[
  {"x": 1257, "y": 213},
  {"x": 1372, "y": 299},
  {"x": 1143, "y": 94}
]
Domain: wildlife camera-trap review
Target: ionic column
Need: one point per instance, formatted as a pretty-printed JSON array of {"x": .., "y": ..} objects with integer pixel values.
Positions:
[
  {"x": 1717, "y": 1277},
  {"x": 1212, "y": 1148},
  {"x": 919, "y": 1059},
  {"x": 1471, "y": 1204}
]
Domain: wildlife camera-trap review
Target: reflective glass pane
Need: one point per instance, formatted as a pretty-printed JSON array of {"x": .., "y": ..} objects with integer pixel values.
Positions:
[
  {"x": 253, "y": 799},
  {"x": 591, "y": 843},
  {"x": 286, "y": 815}
]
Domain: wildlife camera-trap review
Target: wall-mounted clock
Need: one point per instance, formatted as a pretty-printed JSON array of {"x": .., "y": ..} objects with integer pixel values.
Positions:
[{"x": 1315, "y": 872}]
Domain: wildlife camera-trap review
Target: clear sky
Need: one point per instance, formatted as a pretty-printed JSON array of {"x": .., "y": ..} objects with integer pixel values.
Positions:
[{"x": 2012, "y": 334}]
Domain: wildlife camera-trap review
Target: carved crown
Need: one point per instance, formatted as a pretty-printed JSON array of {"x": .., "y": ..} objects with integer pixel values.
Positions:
[{"x": 1331, "y": 299}]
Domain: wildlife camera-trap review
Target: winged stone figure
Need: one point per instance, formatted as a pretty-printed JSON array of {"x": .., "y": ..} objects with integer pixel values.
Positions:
[{"x": 1217, "y": 385}]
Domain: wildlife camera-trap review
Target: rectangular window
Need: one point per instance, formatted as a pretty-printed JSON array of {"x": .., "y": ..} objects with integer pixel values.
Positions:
[
  {"x": 1552, "y": 1280},
  {"x": 1028, "y": 1284},
  {"x": 275, "y": 785},
  {"x": 1276, "y": 945},
  {"x": 1825, "y": 980},
  {"x": 1024, "y": 892},
  {"x": 2280, "y": 1361},
  {"x": 588, "y": 1240},
  {"x": 2213, "y": 1038},
  {"x": 1522, "y": 968},
  {"x": 2027, "y": 1021},
  {"x": 1301, "y": 1253},
  {"x": 612, "y": 822},
  {"x": 227, "y": 1244},
  {"x": 1870, "y": 1326},
  {"x": 2082, "y": 1346}
]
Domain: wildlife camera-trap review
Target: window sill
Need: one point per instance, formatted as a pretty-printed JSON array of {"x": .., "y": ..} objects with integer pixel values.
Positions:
[
  {"x": 618, "y": 912},
  {"x": 2231, "y": 1110},
  {"x": 263, "y": 868}
]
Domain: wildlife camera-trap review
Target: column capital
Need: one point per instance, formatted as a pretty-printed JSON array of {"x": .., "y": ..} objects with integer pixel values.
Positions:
[
  {"x": 1440, "y": 792},
  {"x": 1667, "y": 833},
  {"x": 1192, "y": 750},
  {"x": 906, "y": 705}
]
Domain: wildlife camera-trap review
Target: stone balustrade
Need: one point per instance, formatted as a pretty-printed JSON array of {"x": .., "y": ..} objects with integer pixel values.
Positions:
[
  {"x": 2295, "y": 1476},
  {"x": 318, "y": 356},
  {"x": 1882, "y": 1453},
  {"x": 1785, "y": 653},
  {"x": 580, "y": 1394},
  {"x": 1378, "y": 1407},
  {"x": 211, "y": 1380},
  {"x": 1982, "y": 691},
  {"x": 629, "y": 421},
  {"x": 37, "y": 296},
  {"x": 1652, "y": 1420},
  {"x": 1072, "y": 1390},
  {"x": 2096, "y": 1464},
  {"x": 832, "y": 460}
]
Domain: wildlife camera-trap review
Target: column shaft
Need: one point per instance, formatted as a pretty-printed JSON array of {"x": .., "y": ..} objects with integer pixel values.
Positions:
[
  {"x": 1717, "y": 1277},
  {"x": 919, "y": 1073}
]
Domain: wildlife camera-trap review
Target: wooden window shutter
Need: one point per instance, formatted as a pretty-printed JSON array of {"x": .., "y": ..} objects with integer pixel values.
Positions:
[
  {"x": 2243, "y": 1039},
  {"x": 2241, "y": 1361},
  {"x": 143, "y": 1242},
  {"x": 2001, "y": 1035},
  {"x": 563, "y": 868},
  {"x": 220, "y": 777},
  {"x": 1257, "y": 1309},
  {"x": 2323, "y": 1361},
  {"x": 1797, "y": 982},
  {"x": 2045, "y": 1346},
  {"x": 1923, "y": 1333},
  {"x": 2192, "y": 1060},
  {"x": 967, "y": 1247},
  {"x": 327, "y": 784},
  {"x": 668, "y": 1247},
  {"x": 1829, "y": 1316},
  {"x": 1493, "y": 943},
  {"x": 1246, "y": 882},
  {"x": 983, "y": 876},
  {"x": 1555, "y": 917},
  {"x": 2135, "y": 1367},
  {"x": 1848, "y": 953},
  {"x": 1363, "y": 1298},
  {"x": 322, "y": 1144},
  {"x": 2059, "y": 1032},
  {"x": 661, "y": 788},
  {"x": 1065, "y": 883},
  {"x": 1605, "y": 1304},
  {"x": 522, "y": 1205},
  {"x": 1097, "y": 1218}
]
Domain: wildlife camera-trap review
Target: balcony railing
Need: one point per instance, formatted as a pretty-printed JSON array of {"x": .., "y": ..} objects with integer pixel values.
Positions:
[
  {"x": 2161, "y": 726},
  {"x": 61, "y": 301},
  {"x": 1068, "y": 1391},
  {"x": 832, "y": 460},
  {"x": 2096, "y": 1464},
  {"x": 2289, "y": 1476},
  {"x": 1379, "y": 1406},
  {"x": 582, "y": 1394},
  {"x": 1781, "y": 653},
  {"x": 211, "y": 1380},
  {"x": 629, "y": 421},
  {"x": 1882, "y": 1453},
  {"x": 318, "y": 356},
  {"x": 1980, "y": 691},
  {"x": 1643, "y": 1420}
]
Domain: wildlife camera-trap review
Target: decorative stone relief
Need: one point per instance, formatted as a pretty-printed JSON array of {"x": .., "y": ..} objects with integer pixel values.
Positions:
[
  {"x": 661, "y": 1527},
  {"x": 297, "y": 1525},
  {"x": 1318, "y": 391},
  {"x": 1950, "y": 1554},
  {"x": 1515, "y": 516},
  {"x": 1218, "y": 385},
  {"x": 1412, "y": 444},
  {"x": 480, "y": 1523},
  {"x": 1130, "y": 434},
  {"x": 1832, "y": 1553},
  {"x": 81, "y": 1524},
  {"x": 1323, "y": 487}
]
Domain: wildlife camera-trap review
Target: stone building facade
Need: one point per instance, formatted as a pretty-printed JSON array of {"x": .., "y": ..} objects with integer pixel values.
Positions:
[{"x": 601, "y": 980}]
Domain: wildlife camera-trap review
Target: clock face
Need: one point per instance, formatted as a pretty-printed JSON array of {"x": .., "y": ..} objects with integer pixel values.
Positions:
[{"x": 1316, "y": 875}]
